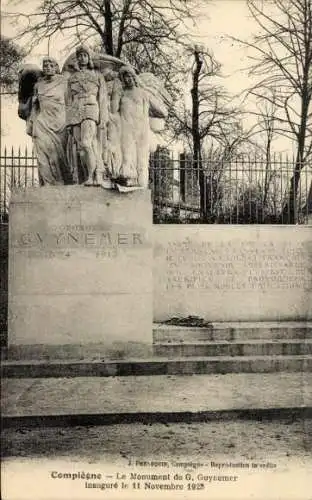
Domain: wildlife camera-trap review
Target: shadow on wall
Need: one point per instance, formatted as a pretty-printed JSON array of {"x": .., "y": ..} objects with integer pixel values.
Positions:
[{"x": 3, "y": 284}]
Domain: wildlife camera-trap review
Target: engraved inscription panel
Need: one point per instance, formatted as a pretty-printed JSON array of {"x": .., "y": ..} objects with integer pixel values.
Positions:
[
  {"x": 63, "y": 241},
  {"x": 237, "y": 265}
]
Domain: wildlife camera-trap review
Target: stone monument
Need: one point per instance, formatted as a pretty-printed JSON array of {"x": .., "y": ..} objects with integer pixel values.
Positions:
[{"x": 80, "y": 269}]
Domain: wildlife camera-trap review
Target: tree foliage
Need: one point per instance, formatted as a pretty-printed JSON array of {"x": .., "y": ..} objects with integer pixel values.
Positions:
[{"x": 11, "y": 56}]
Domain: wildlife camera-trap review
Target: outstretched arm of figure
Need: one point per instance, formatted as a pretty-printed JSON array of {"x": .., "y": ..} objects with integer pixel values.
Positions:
[
  {"x": 116, "y": 95},
  {"x": 67, "y": 94},
  {"x": 35, "y": 98},
  {"x": 33, "y": 111},
  {"x": 103, "y": 102},
  {"x": 68, "y": 99}
]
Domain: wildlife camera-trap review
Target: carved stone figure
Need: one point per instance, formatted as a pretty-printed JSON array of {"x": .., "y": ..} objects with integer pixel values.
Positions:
[
  {"x": 44, "y": 111},
  {"x": 113, "y": 120},
  {"x": 131, "y": 106},
  {"x": 86, "y": 119},
  {"x": 114, "y": 150}
]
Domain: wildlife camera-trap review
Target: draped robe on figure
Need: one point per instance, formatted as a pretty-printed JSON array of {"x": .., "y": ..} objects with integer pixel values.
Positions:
[
  {"x": 47, "y": 127},
  {"x": 130, "y": 136}
]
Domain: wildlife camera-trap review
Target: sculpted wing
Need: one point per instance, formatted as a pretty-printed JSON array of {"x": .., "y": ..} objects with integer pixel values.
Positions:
[
  {"x": 28, "y": 76},
  {"x": 155, "y": 88},
  {"x": 160, "y": 101}
]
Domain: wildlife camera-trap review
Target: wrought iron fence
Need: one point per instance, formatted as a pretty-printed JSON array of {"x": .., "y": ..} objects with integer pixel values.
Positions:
[
  {"x": 17, "y": 170},
  {"x": 240, "y": 190}
]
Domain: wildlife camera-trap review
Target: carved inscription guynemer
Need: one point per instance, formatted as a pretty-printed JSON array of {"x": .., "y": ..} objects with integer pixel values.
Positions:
[
  {"x": 237, "y": 265},
  {"x": 62, "y": 241}
]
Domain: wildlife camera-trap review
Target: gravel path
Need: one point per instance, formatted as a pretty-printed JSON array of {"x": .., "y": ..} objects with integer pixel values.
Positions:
[
  {"x": 165, "y": 393},
  {"x": 282, "y": 452},
  {"x": 248, "y": 439}
]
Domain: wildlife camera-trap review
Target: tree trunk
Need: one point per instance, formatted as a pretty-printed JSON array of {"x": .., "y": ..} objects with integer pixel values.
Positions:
[
  {"x": 124, "y": 15},
  {"x": 267, "y": 175},
  {"x": 290, "y": 210},
  {"x": 108, "y": 29},
  {"x": 197, "y": 157},
  {"x": 291, "y": 207}
]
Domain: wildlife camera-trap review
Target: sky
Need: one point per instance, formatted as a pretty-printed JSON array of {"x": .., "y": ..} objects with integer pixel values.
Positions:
[{"x": 223, "y": 18}]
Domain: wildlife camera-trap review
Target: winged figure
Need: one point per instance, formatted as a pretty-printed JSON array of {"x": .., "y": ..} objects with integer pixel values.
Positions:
[{"x": 139, "y": 106}]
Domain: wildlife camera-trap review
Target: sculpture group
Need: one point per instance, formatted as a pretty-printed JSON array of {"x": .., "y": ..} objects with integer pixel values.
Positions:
[{"x": 95, "y": 122}]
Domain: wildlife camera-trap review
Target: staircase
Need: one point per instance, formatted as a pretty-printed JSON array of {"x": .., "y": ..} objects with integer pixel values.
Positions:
[
  {"x": 239, "y": 347},
  {"x": 177, "y": 350},
  {"x": 224, "y": 371}
]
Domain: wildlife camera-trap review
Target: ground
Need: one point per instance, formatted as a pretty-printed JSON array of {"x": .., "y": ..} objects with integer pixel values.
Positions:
[
  {"x": 274, "y": 451},
  {"x": 281, "y": 450},
  {"x": 245, "y": 439}
]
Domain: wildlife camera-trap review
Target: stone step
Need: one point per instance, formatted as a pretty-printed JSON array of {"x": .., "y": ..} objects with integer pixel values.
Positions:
[
  {"x": 91, "y": 350},
  {"x": 157, "y": 366},
  {"x": 164, "y": 348},
  {"x": 163, "y": 395},
  {"x": 239, "y": 332},
  {"x": 235, "y": 331},
  {"x": 236, "y": 348},
  {"x": 24, "y": 423}
]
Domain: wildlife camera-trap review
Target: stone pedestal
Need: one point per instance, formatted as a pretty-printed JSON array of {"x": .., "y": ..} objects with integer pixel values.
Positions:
[{"x": 80, "y": 268}]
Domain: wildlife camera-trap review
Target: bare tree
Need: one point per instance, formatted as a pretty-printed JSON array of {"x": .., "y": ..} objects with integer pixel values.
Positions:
[
  {"x": 149, "y": 34},
  {"x": 120, "y": 26},
  {"x": 210, "y": 121},
  {"x": 265, "y": 132},
  {"x": 282, "y": 61}
]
